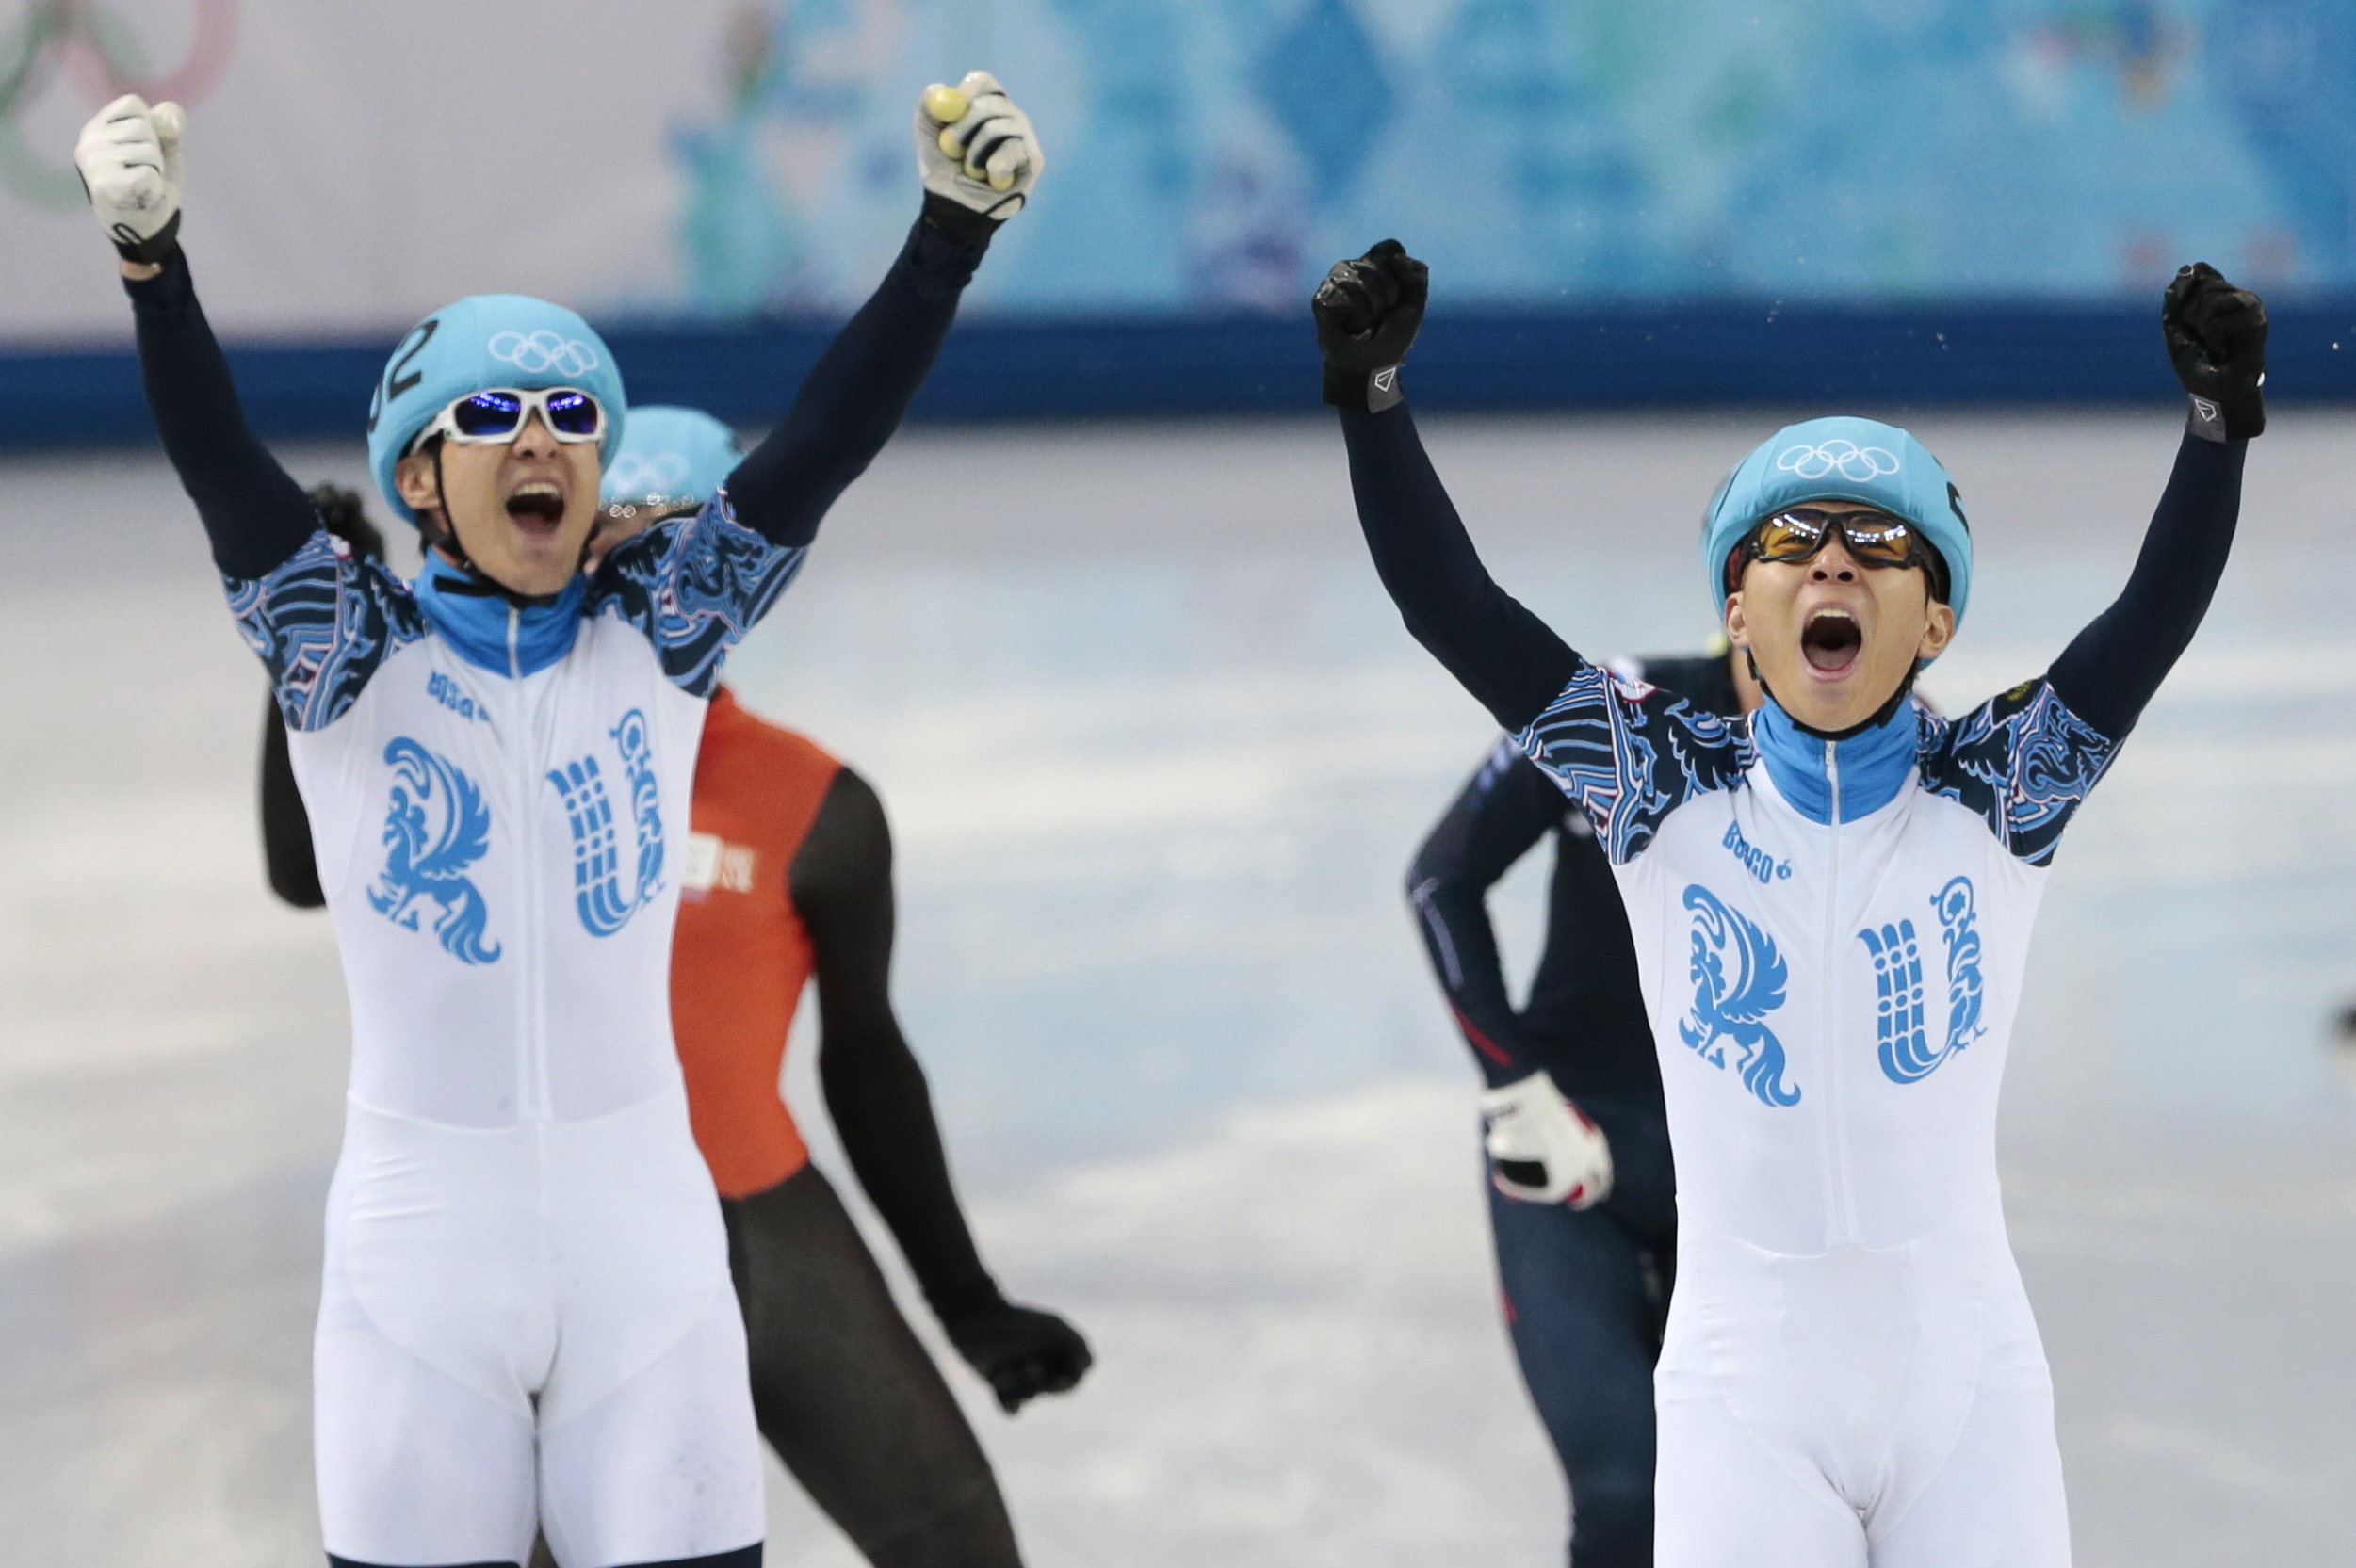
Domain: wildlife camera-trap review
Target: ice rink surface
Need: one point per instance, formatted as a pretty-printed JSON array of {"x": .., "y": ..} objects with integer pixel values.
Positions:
[{"x": 1157, "y": 751}]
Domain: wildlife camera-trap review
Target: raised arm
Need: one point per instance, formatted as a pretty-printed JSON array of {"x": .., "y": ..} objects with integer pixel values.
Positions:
[
  {"x": 856, "y": 395},
  {"x": 979, "y": 159},
  {"x": 1508, "y": 807},
  {"x": 842, "y": 883},
  {"x": 2216, "y": 336},
  {"x": 2026, "y": 759},
  {"x": 2114, "y": 666},
  {"x": 258, "y": 517},
  {"x": 1505, "y": 656},
  {"x": 254, "y": 512},
  {"x": 1368, "y": 312}
]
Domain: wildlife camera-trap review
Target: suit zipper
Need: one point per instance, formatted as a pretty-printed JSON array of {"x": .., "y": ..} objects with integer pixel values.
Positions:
[
  {"x": 1836, "y": 1139},
  {"x": 531, "y": 1048}
]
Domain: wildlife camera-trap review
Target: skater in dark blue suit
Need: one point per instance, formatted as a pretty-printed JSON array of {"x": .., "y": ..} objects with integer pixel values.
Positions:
[{"x": 1583, "y": 1199}]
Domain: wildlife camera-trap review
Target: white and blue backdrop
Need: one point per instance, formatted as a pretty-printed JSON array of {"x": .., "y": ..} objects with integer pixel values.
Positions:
[{"x": 1903, "y": 199}]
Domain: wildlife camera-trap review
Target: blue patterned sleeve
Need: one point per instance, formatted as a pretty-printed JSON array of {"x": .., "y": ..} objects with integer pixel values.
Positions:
[
  {"x": 694, "y": 586},
  {"x": 2023, "y": 762},
  {"x": 1629, "y": 753},
  {"x": 321, "y": 622}
]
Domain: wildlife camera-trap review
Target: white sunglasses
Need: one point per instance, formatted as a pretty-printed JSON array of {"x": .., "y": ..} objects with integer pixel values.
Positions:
[{"x": 499, "y": 414}]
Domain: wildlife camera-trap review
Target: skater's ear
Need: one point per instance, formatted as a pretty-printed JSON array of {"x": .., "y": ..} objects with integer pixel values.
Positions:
[
  {"x": 1938, "y": 630},
  {"x": 418, "y": 478}
]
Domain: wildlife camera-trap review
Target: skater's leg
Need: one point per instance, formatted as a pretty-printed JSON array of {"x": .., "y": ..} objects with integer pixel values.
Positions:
[
  {"x": 847, "y": 1395},
  {"x": 413, "y": 1466},
  {"x": 1722, "y": 1500},
  {"x": 664, "y": 1469},
  {"x": 1997, "y": 1500},
  {"x": 1583, "y": 1328}
]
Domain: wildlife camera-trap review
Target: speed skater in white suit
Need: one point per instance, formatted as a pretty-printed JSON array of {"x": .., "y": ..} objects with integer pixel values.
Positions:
[
  {"x": 527, "y": 1318},
  {"x": 1831, "y": 903}
]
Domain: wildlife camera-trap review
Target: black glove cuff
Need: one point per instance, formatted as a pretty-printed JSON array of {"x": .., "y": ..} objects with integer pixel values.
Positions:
[
  {"x": 151, "y": 250},
  {"x": 959, "y": 221},
  {"x": 1370, "y": 390},
  {"x": 946, "y": 245},
  {"x": 2238, "y": 419}
]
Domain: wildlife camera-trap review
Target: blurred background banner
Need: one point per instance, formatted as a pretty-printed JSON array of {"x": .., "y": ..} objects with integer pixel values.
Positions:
[
  {"x": 1703, "y": 168},
  {"x": 1155, "y": 747}
]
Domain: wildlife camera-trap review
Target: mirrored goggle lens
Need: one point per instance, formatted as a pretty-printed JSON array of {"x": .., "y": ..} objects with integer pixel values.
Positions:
[
  {"x": 573, "y": 413},
  {"x": 1874, "y": 538},
  {"x": 488, "y": 413}
]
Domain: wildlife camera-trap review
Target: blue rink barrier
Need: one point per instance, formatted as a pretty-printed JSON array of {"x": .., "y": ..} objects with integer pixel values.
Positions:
[{"x": 1875, "y": 357}]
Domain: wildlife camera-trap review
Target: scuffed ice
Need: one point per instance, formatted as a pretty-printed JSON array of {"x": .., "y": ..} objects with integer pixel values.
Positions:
[{"x": 1157, "y": 751}]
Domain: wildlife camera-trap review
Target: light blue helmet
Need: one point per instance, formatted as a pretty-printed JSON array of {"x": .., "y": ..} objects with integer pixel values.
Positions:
[
  {"x": 1840, "y": 460},
  {"x": 673, "y": 456},
  {"x": 486, "y": 340}
]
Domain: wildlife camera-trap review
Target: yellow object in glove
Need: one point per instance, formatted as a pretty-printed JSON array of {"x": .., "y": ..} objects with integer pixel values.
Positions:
[{"x": 976, "y": 148}]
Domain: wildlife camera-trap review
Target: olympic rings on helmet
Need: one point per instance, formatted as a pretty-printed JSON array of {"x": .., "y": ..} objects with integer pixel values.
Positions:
[
  {"x": 632, "y": 475},
  {"x": 543, "y": 352},
  {"x": 1855, "y": 463}
]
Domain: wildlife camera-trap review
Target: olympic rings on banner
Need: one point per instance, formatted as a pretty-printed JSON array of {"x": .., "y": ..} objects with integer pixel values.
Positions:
[
  {"x": 100, "y": 52},
  {"x": 1855, "y": 463},
  {"x": 543, "y": 352}
]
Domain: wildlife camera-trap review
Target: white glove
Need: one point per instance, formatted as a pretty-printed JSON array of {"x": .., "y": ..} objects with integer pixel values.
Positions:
[
  {"x": 129, "y": 157},
  {"x": 1542, "y": 1149},
  {"x": 975, "y": 148}
]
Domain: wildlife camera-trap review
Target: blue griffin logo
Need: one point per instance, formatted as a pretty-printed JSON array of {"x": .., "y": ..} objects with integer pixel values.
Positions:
[
  {"x": 1735, "y": 1009},
  {"x": 436, "y": 827},
  {"x": 1899, "y": 1027},
  {"x": 597, "y": 841}
]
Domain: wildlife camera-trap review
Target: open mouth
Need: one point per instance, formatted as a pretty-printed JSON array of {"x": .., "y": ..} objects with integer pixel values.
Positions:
[
  {"x": 1831, "y": 642},
  {"x": 536, "y": 507}
]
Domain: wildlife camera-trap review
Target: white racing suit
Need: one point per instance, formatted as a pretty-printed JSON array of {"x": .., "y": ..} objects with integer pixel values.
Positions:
[
  {"x": 526, "y": 1316},
  {"x": 1830, "y": 940}
]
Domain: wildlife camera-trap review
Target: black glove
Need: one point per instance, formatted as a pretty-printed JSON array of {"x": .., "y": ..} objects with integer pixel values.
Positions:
[
  {"x": 2217, "y": 337},
  {"x": 1368, "y": 312},
  {"x": 1021, "y": 1351}
]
